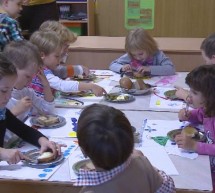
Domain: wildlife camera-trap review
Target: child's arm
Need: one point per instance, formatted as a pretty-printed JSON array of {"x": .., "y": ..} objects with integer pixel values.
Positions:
[
  {"x": 15, "y": 32},
  {"x": 97, "y": 90},
  {"x": 117, "y": 64},
  {"x": 48, "y": 96},
  {"x": 22, "y": 106},
  {"x": 182, "y": 93},
  {"x": 162, "y": 65}
]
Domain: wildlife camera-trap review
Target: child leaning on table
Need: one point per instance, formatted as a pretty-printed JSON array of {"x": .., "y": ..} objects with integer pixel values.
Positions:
[
  {"x": 105, "y": 136},
  {"x": 67, "y": 37},
  {"x": 142, "y": 56},
  {"x": 9, "y": 28},
  {"x": 50, "y": 49},
  {"x": 201, "y": 81},
  {"x": 8, "y": 76},
  {"x": 208, "y": 54}
]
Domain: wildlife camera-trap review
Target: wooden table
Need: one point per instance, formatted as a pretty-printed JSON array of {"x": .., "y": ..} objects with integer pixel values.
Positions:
[{"x": 97, "y": 52}]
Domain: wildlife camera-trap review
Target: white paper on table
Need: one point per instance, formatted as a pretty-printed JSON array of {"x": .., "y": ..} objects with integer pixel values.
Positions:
[
  {"x": 103, "y": 72},
  {"x": 157, "y": 102},
  {"x": 20, "y": 171},
  {"x": 115, "y": 77},
  {"x": 159, "y": 159},
  {"x": 162, "y": 127},
  {"x": 104, "y": 83}
]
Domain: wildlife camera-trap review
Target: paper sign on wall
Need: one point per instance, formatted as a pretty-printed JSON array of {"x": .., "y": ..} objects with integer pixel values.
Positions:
[{"x": 139, "y": 13}]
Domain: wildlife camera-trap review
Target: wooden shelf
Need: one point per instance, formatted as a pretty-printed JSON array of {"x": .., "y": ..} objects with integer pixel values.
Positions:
[{"x": 75, "y": 7}]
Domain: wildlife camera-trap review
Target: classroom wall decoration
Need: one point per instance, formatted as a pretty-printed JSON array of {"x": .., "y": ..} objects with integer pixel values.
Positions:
[{"x": 139, "y": 13}]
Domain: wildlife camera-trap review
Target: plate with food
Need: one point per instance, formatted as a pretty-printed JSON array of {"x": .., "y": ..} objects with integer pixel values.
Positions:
[
  {"x": 77, "y": 94},
  {"x": 191, "y": 131},
  {"x": 84, "y": 77},
  {"x": 34, "y": 158},
  {"x": 48, "y": 121},
  {"x": 170, "y": 94},
  {"x": 68, "y": 102},
  {"x": 119, "y": 97},
  {"x": 85, "y": 164}
]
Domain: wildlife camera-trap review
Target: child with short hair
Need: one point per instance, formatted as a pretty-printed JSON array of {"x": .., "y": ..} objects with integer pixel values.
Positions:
[
  {"x": 105, "y": 136},
  {"x": 67, "y": 37},
  {"x": 50, "y": 48},
  {"x": 9, "y": 28},
  {"x": 142, "y": 56},
  {"x": 26, "y": 58},
  {"x": 208, "y": 54},
  {"x": 8, "y": 76},
  {"x": 201, "y": 81}
]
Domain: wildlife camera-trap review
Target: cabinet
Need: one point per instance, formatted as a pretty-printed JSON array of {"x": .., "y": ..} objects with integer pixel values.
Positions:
[{"x": 78, "y": 15}]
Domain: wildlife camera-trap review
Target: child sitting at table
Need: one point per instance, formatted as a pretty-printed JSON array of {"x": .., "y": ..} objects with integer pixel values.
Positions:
[
  {"x": 208, "y": 54},
  {"x": 50, "y": 49},
  {"x": 8, "y": 76},
  {"x": 67, "y": 37},
  {"x": 24, "y": 102},
  {"x": 9, "y": 28},
  {"x": 142, "y": 56},
  {"x": 201, "y": 81},
  {"x": 105, "y": 136}
]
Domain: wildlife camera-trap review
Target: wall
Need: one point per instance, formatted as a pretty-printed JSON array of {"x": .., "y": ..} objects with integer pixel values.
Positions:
[{"x": 173, "y": 18}]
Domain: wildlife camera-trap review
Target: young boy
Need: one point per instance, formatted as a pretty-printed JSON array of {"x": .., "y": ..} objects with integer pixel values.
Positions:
[
  {"x": 8, "y": 76},
  {"x": 50, "y": 49},
  {"x": 66, "y": 38},
  {"x": 9, "y": 29},
  {"x": 208, "y": 53},
  {"x": 105, "y": 136}
]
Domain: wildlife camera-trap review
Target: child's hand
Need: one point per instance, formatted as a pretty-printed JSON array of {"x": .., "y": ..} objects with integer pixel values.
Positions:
[
  {"x": 22, "y": 106},
  {"x": 183, "y": 115},
  {"x": 42, "y": 77},
  {"x": 126, "y": 67},
  {"x": 143, "y": 70},
  {"x": 181, "y": 93},
  {"x": 185, "y": 142},
  {"x": 98, "y": 90},
  {"x": 12, "y": 156},
  {"x": 86, "y": 70}
]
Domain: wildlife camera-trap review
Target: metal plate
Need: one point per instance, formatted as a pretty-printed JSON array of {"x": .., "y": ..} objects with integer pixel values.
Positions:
[
  {"x": 34, "y": 154},
  {"x": 77, "y": 94},
  {"x": 84, "y": 77},
  {"x": 119, "y": 98},
  {"x": 82, "y": 165},
  {"x": 62, "y": 122},
  {"x": 68, "y": 102},
  {"x": 170, "y": 94}
]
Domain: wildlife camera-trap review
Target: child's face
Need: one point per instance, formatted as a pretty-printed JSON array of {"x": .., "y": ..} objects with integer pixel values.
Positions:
[
  {"x": 208, "y": 60},
  {"x": 52, "y": 60},
  {"x": 13, "y": 8},
  {"x": 6, "y": 86},
  {"x": 139, "y": 55},
  {"x": 25, "y": 76},
  {"x": 196, "y": 98}
]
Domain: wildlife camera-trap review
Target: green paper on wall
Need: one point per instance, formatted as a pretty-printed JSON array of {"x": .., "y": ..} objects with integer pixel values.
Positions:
[{"x": 139, "y": 13}]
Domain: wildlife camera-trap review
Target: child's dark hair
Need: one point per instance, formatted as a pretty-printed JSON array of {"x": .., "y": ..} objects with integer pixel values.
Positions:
[
  {"x": 208, "y": 45},
  {"x": 23, "y": 54},
  {"x": 140, "y": 39},
  {"x": 202, "y": 79},
  {"x": 6, "y": 67},
  {"x": 105, "y": 136}
]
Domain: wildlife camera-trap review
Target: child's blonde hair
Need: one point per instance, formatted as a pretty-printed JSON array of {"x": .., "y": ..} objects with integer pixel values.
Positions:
[
  {"x": 62, "y": 31},
  {"x": 139, "y": 39},
  {"x": 23, "y": 54},
  {"x": 47, "y": 42}
]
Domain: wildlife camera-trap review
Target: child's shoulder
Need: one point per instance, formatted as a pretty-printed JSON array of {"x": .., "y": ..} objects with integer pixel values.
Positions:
[{"x": 6, "y": 19}]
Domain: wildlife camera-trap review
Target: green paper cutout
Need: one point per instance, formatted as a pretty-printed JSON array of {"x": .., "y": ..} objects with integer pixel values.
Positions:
[
  {"x": 161, "y": 140},
  {"x": 139, "y": 13}
]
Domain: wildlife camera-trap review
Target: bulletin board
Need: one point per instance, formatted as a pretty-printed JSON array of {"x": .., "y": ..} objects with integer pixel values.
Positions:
[{"x": 139, "y": 13}]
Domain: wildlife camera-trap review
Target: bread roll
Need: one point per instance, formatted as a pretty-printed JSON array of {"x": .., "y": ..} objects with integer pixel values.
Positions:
[
  {"x": 47, "y": 120},
  {"x": 45, "y": 157}
]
